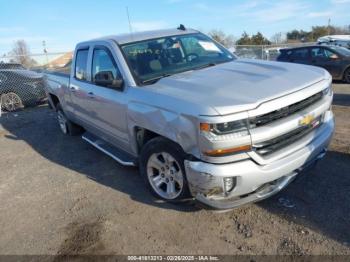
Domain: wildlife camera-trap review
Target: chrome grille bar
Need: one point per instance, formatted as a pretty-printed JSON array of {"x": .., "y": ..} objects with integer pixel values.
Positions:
[{"x": 285, "y": 111}]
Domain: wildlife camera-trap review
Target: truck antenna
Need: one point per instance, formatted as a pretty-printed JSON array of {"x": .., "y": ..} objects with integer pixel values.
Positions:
[
  {"x": 181, "y": 27},
  {"x": 127, "y": 13}
]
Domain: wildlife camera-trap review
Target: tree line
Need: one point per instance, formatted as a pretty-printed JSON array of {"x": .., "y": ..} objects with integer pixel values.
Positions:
[
  {"x": 317, "y": 32},
  {"x": 279, "y": 38}
]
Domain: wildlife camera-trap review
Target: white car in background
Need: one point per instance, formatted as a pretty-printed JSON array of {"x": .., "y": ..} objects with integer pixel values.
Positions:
[{"x": 338, "y": 40}]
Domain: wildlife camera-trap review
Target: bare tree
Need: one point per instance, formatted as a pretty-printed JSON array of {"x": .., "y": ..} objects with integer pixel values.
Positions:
[
  {"x": 278, "y": 38},
  {"x": 21, "y": 53},
  {"x": 221, "y": 37}
]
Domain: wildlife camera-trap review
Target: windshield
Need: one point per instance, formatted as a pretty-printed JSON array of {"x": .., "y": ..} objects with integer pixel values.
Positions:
[
  {"x": 153, "y": 59},
  {"x": 341, "y": 50}
]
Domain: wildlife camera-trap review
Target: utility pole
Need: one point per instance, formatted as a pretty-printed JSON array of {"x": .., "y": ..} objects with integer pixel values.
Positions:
[
  {"x": 45, "y": 52},
  {"x": 329, "y": 26}
]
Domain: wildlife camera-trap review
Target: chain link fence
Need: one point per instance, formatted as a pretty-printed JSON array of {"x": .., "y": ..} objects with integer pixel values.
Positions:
[
  {"x": 22, "y": 77},
  {"x": 264, "y": 52}
]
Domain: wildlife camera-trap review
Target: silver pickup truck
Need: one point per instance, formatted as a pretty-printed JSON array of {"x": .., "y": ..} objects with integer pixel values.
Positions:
[{"x": 197, "y": 121}]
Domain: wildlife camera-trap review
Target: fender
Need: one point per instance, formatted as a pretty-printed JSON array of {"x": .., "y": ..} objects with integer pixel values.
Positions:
[{"x": 178, "y": 128}]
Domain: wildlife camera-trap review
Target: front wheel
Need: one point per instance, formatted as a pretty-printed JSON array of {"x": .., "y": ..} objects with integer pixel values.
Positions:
[{"x": 162, "y": 167}]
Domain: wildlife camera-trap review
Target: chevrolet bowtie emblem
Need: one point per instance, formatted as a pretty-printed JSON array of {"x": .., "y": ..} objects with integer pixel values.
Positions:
[{"x": 306, "y": 120}]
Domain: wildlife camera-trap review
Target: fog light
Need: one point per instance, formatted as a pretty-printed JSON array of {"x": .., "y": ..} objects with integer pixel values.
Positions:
[{"x": 229, "y": 184}]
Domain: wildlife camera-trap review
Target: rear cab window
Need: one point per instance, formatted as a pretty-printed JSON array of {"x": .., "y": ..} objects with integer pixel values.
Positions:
[{"x": 81, "y": 64}]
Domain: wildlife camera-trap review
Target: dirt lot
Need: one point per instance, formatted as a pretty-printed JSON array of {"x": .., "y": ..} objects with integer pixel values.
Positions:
[{"x": 60, "y": 195}]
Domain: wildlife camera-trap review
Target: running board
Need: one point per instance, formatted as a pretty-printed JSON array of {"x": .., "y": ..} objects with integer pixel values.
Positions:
[{"x": 115, "y": 153}]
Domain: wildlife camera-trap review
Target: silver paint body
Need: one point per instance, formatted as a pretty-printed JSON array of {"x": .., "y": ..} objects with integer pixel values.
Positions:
[{"x": 175, "y": 106}]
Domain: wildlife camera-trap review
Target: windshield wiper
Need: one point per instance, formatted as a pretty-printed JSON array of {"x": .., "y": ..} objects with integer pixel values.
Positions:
[
  {"x": 204, "y": 66},
  {"x": 155, "y": 79}
]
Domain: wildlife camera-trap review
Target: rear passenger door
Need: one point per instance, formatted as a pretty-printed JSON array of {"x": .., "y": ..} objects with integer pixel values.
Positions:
[{"x": 79, "y": 87}]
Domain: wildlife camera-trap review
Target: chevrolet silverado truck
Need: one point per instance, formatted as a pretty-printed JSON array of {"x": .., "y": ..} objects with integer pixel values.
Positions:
[{"x": 198, "y": 121}]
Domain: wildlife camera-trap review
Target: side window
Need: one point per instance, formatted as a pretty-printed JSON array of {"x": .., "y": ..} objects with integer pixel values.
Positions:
[
  {"x": 81, "y": 64},
  {"x": 103, "y": 63},
  {"x": 300, "y": 54},
  {"x": 329, "y": 53},
  {"x": 322, "y": 53},
  {"x": 318, "y": 52}
]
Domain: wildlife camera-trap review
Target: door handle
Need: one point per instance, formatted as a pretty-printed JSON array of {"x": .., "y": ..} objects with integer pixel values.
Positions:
[{"x": 91, "y": 94}]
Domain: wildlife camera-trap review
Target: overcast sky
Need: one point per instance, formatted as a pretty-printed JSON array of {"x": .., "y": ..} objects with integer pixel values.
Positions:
[{"x": 62, "y": 23}]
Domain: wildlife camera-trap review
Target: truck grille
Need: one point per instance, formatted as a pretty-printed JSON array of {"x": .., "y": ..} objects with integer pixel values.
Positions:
[
  {"x": 273, "y": 145},
  {"x": 285, "y": 111}
]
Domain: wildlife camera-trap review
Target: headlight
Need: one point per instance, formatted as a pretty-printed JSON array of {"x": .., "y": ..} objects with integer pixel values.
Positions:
[
  {"x": 229, "y": 127},
  {"x": 239, "y": 126},
  {"x": 327, "y": 91},
  {"x": 226, "y": 138}
]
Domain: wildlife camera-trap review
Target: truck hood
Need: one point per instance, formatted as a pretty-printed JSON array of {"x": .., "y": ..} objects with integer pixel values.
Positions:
[{"x": 239, "y": 85}]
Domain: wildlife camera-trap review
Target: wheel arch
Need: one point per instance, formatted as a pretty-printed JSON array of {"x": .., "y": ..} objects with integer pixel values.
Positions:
[
  {"x": 53, "y": 100},
  {"x": 146, "y": 122}
]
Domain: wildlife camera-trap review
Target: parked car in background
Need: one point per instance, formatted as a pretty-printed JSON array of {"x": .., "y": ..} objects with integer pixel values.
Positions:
[
  {"x": 335, "y": 59},
  {"x": 19, "y": 87},
  {"x": 196, "y": 120},
  {"x": 336, "y": 40},
  {"x": 272, "y": 53}
]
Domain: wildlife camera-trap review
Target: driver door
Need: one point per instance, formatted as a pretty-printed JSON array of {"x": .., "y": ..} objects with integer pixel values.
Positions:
[{"x": 329, "y": 60}]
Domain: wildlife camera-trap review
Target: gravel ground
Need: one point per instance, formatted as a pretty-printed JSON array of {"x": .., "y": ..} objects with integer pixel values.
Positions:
[{"x": 59, "y": 195}]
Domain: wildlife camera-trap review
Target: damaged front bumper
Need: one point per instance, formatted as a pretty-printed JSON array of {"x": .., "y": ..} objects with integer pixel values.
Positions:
[{"x": 253, "y": 182}]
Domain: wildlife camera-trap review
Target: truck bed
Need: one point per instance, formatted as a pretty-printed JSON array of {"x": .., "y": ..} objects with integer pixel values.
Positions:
[{"x": 56, "y": 80}]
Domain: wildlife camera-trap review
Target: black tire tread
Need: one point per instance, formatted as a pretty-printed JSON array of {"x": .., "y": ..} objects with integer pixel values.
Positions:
[{"x": 73, "y": 129}]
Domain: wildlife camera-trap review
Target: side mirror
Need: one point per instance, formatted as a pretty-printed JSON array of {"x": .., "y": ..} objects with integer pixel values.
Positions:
[{"x": 106, "y": 79}]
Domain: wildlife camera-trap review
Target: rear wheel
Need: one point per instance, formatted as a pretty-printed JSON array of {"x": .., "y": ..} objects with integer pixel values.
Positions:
[
  {"x": 162, "y": 167},
  {"x": 67, "y": 127},
  {"x": 11, "y": 102},
  {"x": 347, "y": 76}
]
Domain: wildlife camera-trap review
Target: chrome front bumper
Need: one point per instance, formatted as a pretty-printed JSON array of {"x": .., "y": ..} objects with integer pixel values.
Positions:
[{"x": 254, "y": 182}]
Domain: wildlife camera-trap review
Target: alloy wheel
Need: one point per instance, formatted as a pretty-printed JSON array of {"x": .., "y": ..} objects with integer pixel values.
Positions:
[
  {"x": 165, "y": 175},
  {"x": 62, "y": 121},
  {"x": 11, "y": 102}
]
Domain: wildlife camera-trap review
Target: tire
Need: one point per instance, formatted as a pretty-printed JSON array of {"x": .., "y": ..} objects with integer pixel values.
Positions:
[
  {"x": 11, "y": 102},
  {"x": 161, "y": 165},
  {"x": 66, "y": 126},
  {"x": 347, "y": 75}
]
